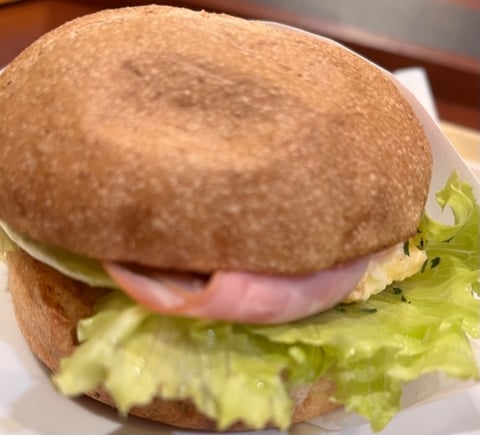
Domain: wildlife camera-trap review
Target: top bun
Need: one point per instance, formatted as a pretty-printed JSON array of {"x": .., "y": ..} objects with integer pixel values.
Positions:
[{"x": 194, "y": 141}]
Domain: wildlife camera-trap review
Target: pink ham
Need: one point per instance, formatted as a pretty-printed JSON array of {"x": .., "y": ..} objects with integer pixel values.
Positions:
[{"x": 239, "y": 296}]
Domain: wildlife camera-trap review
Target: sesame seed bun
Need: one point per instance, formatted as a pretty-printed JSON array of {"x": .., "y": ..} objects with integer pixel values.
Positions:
[{"x": 193, "y": 141}]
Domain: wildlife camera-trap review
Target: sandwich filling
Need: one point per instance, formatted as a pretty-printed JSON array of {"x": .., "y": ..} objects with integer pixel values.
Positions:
[
  {"x": 266, "y": 299},
  {"x": 232, "y": 296}
]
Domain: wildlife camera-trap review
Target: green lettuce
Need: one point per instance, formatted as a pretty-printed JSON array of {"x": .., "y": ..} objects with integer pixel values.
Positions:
[
  {"x": 6, "y": 244},
  {"x": 247, "y": 373},
  {"x": 76, "y": 266},
  {"x": 137, "y": 355}
]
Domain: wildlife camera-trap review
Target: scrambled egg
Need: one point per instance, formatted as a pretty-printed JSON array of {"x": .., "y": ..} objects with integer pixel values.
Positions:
[{"x": 387, "y": 266}]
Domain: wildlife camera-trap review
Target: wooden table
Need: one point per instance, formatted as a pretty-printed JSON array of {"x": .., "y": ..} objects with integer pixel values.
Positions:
[{"x": 440, "y": 35}]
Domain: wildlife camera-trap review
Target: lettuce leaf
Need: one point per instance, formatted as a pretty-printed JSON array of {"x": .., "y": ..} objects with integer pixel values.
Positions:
[
  {"x": 248, "y": 372},
  {"x": 136, "y": 354},
  {"x": 5, "y": 244},
  {"x": 76, "y": 266}
]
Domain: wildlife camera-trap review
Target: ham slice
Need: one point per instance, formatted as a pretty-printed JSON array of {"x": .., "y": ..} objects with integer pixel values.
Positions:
[{"x": 240, "y": 297}]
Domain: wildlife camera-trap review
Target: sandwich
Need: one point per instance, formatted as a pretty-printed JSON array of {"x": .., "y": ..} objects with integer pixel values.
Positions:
[{"x": 217, "y": 224}]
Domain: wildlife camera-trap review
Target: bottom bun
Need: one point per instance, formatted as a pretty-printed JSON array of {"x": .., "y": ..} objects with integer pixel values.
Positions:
[{"x": 48, "y": 306}]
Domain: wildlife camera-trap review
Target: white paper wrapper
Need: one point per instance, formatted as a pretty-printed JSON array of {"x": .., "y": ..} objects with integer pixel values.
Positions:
[{"x": 445, "y": 159}]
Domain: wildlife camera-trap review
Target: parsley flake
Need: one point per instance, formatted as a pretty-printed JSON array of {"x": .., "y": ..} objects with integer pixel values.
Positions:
[
  {"x": 368, "y": 310},
  {"x": 406, "y": 248},
  {"x": 424, "y": 266},
  {"x": 435, "y": 262}
]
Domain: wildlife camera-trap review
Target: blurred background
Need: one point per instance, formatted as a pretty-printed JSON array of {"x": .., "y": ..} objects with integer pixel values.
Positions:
[{"x": 440, "y": 36}]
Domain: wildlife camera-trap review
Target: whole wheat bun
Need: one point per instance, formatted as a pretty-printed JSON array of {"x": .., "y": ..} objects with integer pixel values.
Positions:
[
  {"x": 192, "y": 141},
  {"x": 48, "y": 306}
]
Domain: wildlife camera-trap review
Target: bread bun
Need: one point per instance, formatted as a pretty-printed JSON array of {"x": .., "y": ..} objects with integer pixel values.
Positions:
[
  {"x": 192, "y": 141},
  {"x": 48, "y": 306}
]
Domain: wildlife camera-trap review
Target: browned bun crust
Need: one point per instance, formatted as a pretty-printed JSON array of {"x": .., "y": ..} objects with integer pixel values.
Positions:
[
  {"x": 195, "y": 141},
  {"x": 48, "y": 306}
]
